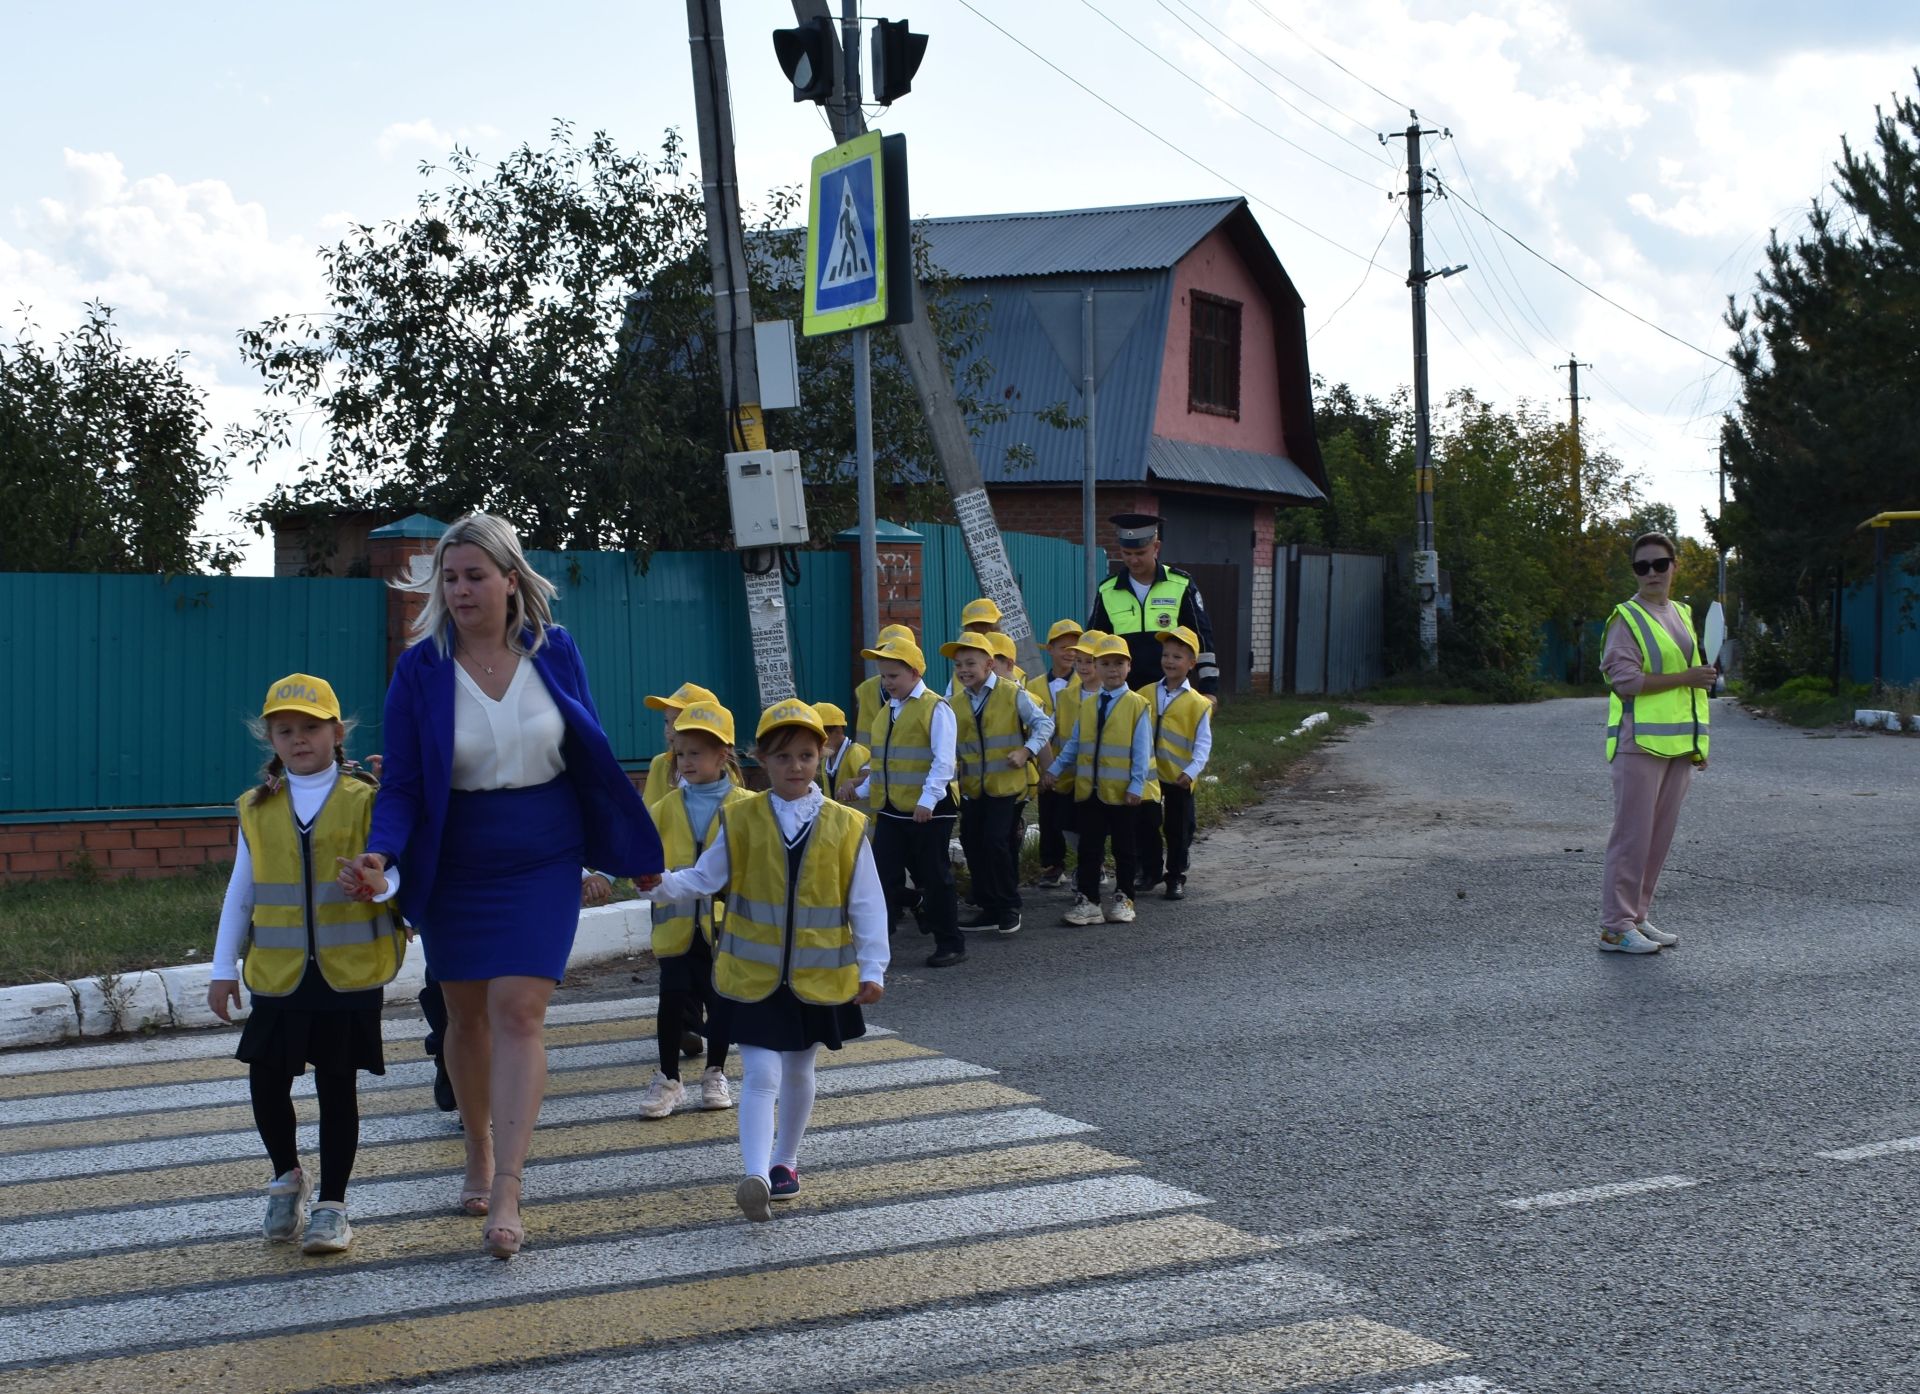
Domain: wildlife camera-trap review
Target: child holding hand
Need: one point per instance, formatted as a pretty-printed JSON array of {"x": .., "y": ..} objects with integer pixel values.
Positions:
[
  {"x": 1111, "y": 755},
  {"x": 844, "y": 762},
  {"x": 1182, "y": 743}
]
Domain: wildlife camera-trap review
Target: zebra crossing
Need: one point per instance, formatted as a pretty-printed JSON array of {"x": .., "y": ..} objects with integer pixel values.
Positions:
[{"x": 954, "y": 1235}]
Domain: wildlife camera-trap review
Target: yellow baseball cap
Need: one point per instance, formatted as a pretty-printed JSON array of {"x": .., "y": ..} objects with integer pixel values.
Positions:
[
  {"x": 981, "y": 611},
  {"x": 1064, "y": 629},
  {"x": 792, "y": 712},
  {"x": 1002, "y": 645},
  {"x": 829, "y": 714},
  {"x": 1110, "y": 645},
  {"x": 896, "y": 631},
  {"x": 977, "y": 642},
  {"x": 302, "y": 692},
  {"x": 1182, "y": 633},
  {"x": 900, "y": 651},
  {"x": 710, "y": 717},
  {"x": 683, "y": 697},
  {"x": 1090, "y": 641}
]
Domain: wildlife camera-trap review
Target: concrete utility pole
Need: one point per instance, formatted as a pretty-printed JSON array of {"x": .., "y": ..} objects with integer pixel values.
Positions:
[
  {"x": 733, "y": 323},
  {"x": 1573, "y": 367},
  {"x": 952, "y": 443},
  {"x": 1719, "y": 519},
  {"x": 1426, "y": 561}
]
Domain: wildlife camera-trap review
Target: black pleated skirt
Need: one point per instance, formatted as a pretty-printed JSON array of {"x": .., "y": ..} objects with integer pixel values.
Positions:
[
  {"x": 783, "y": 1022},
  {"x": 286, "y": 1038}
]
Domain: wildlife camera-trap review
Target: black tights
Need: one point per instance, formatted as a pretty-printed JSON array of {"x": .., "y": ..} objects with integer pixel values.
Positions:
[
  {"x": 678, "y": 1013},
  {"x": 339, "y": 1124}
]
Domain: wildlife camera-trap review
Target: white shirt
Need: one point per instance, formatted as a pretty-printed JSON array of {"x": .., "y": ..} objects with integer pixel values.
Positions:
[
  {"x": 510, "y": 744},
  {"x": 866, "y": 904},
  {"x": 1139, "y": 588},
  {"x": 944, "y": 732},
  {"x": 1203, "y": 734},
  {"x": 309, "y": 793}
]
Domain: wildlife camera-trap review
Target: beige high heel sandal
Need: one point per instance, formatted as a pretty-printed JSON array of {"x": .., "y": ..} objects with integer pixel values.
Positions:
[{"x": 503, "y": 1241}]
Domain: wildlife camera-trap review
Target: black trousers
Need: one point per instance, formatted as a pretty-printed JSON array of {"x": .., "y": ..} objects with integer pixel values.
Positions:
[
  {"x": 988, "y": 827},
  {"x": 1056, "y": 820},
  {"x": 433, "y": 1006},
  {"x": 1169, "y": 824},
  {"x": 1101, "y": 823},
  {"x": 902, "y": 846}
]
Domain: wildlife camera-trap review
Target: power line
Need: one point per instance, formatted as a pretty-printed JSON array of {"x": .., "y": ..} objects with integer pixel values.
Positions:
[
  {"x": 1397, "y": 215},
  {"x": 1453, "y": 148},
  {"x": 1328, "y": 56}
]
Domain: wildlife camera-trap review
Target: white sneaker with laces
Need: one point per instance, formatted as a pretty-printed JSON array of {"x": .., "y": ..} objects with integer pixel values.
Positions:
[
  {"x": 714, "y": 1091},
  {"x": 1084, "y": 912},
  {"x": 1120, "y": 910},
  {"x": 1659, "y": 936},
  {"x": 286, "y": 1207},
  {"x": 662, "y": 1096},
  {"x": 1631, "y": 941}
]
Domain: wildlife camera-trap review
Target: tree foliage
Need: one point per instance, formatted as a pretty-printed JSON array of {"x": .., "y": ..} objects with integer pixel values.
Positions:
[
  {"x": 1827, "y": 430},
  {"x": 104, "y": 464}
]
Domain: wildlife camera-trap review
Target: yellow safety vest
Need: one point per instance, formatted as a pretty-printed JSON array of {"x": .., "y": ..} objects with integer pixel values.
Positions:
[
  {"x": 797, "y": 930},
  {"x": 674, "y": 921},
  {"x": 1670, "y": 723},
  {"x": 1114, "y": 758},
  {"x": 902, "y": 753},
  {"x": 867, "y": 702},
  {"x": 854, "y": 757},
  {"x": 299, "y": 910},
  {"x": 1174, "y": 729},
  {"x": 1162, "y": 607},
  {"x": 980, "y": 749},
  {"x": 1069, "y": 704}
]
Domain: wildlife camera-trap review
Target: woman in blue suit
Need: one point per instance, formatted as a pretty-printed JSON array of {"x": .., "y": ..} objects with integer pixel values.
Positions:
[{"x": 499, "y": 785}]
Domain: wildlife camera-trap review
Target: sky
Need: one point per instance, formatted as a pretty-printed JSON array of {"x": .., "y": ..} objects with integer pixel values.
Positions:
[{"x": 184, "y": 164}]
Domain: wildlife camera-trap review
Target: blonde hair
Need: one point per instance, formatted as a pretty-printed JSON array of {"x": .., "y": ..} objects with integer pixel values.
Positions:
[
  {"x": 731, "y": 758},
  {"x": 530, "y": 605}
]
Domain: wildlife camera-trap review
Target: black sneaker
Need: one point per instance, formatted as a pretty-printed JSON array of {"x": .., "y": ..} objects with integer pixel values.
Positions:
[
  {"x": 1176, "y": 888},
  {"x": 783, "y": 1183},
  {"x": 973, "y": 917},
  {"x": 691, "y": 1045},
  {"x": 946, "y": 958},
  {"x": 443, "y": 1087},
  {"x": 1010, "y": 925}
]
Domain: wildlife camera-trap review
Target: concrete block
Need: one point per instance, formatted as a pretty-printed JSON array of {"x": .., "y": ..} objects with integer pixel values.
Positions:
[
  {"x": 186, "y": 989},
  {"x": 37, "y": 1014},
  {"x": 135, "y": 1001},
  {"x": 612, "y": 932}
]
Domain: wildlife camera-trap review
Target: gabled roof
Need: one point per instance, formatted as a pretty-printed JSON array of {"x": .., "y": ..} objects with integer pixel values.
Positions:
[{"x": 1136, "y": 237}]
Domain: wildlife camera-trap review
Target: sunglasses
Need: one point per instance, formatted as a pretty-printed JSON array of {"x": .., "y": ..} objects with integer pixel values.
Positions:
[{"x": 1657, "y": 564}]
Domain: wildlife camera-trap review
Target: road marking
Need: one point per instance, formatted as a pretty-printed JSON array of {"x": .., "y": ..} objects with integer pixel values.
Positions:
[
  {"x": 1612, "y": 1190},
  {"x": 1891, "y": 1147},
  {"x": 624, "y": 1171}
]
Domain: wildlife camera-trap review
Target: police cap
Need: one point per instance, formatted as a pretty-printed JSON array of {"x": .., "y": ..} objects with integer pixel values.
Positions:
[{"x": 1135, "y": 529}]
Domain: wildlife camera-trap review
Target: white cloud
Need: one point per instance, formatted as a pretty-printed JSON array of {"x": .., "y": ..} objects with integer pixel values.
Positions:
[{"x": 423, "y": 135}]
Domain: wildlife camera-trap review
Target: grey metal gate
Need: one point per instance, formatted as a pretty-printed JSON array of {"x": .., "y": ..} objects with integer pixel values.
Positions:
[{"x": 1329, "y": 619}]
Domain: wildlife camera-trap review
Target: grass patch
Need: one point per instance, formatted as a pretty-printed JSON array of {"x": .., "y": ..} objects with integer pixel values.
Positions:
[
  {"x": 1807, "y": 702},
  {"x": 51, "y": 931}
]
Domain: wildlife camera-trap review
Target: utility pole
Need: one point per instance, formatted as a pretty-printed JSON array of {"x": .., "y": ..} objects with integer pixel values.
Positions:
[
  {"x": 733, "y": 325},
  {"x": 1720, "y": 521},
  {"x": 1426, "y": 561},
  {"x": 1573, "y": 367}
]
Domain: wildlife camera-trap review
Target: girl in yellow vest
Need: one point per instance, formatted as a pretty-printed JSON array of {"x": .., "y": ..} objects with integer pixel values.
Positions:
[
  {"x": 315, "y": 958},
  {"x": 802, "y": 948},
  {"x": 1656, "y": 737},
  {"x": 1111, "y": 755},
  {"x": 662, "y": 773},
  {"x": 1182, "y": 745},
  {"x": 683, "y": 930},
  {"x": 1058, "y": 693}
]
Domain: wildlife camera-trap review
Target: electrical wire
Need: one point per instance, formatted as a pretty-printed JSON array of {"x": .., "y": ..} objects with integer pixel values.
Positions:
[
  {"x": 1396, "y": 216},
  {"x": 1404, "y": 106},
  {"x": 1453, "y": 148}
]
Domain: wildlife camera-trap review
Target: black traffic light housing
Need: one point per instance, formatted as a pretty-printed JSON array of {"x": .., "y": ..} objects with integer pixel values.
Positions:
[
  {"x": 897, "y": 52},
  {"x": 810, "y": 57}
]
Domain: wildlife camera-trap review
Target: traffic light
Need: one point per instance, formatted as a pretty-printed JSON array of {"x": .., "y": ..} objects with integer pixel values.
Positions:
[
  {"x": 810, "y": 57},
  {"x": 897, "y": 52}
]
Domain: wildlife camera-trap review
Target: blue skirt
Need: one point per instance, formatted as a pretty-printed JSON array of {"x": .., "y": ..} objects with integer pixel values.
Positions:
[{"x": 506, "y": 895}]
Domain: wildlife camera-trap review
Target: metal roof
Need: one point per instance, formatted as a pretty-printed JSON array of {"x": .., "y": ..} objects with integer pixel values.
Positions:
[
  {"x": 1139, "y": 237},
  {"x": 1190, "y": 462}
]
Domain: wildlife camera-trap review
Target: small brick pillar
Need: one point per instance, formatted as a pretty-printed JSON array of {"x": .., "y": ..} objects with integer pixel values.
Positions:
[
  {"x": 899, "y": 552},
  {"x": 1264, "y": 677},
  {"x": 393, "y": 554}
]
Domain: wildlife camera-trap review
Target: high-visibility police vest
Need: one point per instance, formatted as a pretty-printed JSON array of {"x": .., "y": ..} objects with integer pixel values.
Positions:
[
  {"x": 980, "y": 748},
  {"x": 299, "y": 911},
  {"x": 1175, "y": 729},
  {"x": 1106, "y": 768},
  {"x": 902, "y": 753},
  {"x": 1162, "y": 609},
  {"x": 674, "y": 921},
  {"x": 854, "y": 757},
  {"x": 781, "y": 928},
  {"x": 1670, "y": 723},
  {"x": 1063, "y": 709}
]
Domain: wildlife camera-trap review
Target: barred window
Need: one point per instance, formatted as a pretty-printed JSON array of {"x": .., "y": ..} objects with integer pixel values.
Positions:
[{"x": 1213, "y": 357}]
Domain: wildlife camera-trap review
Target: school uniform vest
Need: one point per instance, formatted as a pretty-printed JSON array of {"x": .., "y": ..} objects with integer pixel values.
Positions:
[
  {"x": 1062, "y": 710},
  {"x": 1162, "y": 608},
  {"x": 1670, "y": 723},
  {"x": 902, "y": 753},
  {"x": 854, "y": 757},
  {"x": 787, "y": 918},
  {"x": 1104, "y": 765},
  {"x": 676, "y": 921},
  {"x": 300, "y": 914},
  {"x": 1175, "y": 729},
  {"x": 981, "y": 746}
]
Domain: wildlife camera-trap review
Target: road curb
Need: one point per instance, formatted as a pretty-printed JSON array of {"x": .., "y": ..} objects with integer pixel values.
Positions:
[{"x": 36, "y": 1014}]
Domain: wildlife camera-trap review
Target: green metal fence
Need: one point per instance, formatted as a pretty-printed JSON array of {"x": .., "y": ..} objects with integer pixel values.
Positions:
[{"x": 1051, "y": 574}]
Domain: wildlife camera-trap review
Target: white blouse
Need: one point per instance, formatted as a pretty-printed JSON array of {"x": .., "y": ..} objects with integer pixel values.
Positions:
[{"x": 513, "y": 743}]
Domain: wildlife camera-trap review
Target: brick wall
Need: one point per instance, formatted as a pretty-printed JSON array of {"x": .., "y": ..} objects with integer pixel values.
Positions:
[
  {"x": 1056, "y": 512},
  {"x": 1262, "y": 679},
  {"x": 122, "y": 847}
]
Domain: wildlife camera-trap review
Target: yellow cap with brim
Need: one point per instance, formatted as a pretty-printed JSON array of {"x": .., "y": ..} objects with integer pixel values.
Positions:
[
  {"x": 900, "y": 651},
  {"x": 1182, "y": 633},
  {"x": 1002, "y": 645},
  {"x": 895, "y": 631},
  {"x": 710, "y": 717},
  {"x": 792, "y": 712},
  {"x": 981, "y": 611},
  {"x": 684, "y": 696},
  {"x": 829, "y": 714},
  {"x": 1090, "y": 642},
  {"x": 1112, "y": 646},
  {"x": 976, "y": 642},
  {"x": 302, "y": 692},
  {"x": 1064, "y": 629}
]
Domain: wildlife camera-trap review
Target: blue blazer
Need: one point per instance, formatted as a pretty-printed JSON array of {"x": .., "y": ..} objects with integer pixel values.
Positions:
[{"x": 410, "y": 812}]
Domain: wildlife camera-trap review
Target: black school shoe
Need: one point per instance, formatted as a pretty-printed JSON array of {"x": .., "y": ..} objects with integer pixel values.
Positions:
[
  {"x": 946, "y": 958},
  {"x": 443, "y": 1087},
  {"x": 1176, "y": 888}
]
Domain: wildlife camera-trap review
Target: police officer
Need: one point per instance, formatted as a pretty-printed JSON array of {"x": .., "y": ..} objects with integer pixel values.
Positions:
[{"x": 1147, "y": 597}]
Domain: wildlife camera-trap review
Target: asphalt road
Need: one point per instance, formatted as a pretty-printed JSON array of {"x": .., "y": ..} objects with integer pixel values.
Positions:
[{"x": 1381, "y": 1010}]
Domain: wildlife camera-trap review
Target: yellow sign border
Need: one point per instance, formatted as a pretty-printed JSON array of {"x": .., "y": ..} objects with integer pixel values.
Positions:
[{"x": 813, "y": 319}]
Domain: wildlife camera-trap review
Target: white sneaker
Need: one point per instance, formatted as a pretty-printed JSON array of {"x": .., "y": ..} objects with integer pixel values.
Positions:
[
  {"x": 663, "y": 1096},
  {"x": 327, "y": 1229},
  {"x": 714, "y": 1092},
  {"x": 1084, "y": 912},
  {"x": 1120, "y": 910},
  {"x": 1631, "y": 941},
  {"x": 1659, "y": 936},
  {"x": 286, "y": 1207}
]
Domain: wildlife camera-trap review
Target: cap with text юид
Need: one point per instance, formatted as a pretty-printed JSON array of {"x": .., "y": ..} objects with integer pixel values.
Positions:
[
  {"x": 302, "y": 692},
  {"x": 684, "y": 696},
  {"x": 900, "y": 651},
  {"x": 710, "y": 717},
  {"x": 981, "y": 611},
  {"x": 1064, "y": 629},
  {"x": 976, "y": 642},
  {"x": 1182, "y": 634},
  {"x": 829, "y": 714},
  {"x": 791, "y": 712}
]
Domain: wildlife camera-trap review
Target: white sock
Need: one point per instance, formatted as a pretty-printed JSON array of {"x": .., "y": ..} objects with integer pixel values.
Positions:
[
  {"x": 796, "y": 1104},
  {"x": 759, "y": 1089}
]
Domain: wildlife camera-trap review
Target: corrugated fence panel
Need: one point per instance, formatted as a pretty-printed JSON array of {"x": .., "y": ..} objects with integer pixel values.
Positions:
[
  {"x": 1310, "y": 628},
  {"x": 820, "y": 627},
  {"x": 1050, "y": 573},
  {"x": 1900, "y": 640},
  {"x": 1356, "y": 646}
]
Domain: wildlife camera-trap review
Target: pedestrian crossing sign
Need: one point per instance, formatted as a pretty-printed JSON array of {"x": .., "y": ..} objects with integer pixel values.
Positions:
[{"x": 856, "y": 208}]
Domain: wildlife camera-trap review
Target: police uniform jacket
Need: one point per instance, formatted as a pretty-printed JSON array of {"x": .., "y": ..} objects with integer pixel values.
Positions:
[{"x": 1139, "y": 633}]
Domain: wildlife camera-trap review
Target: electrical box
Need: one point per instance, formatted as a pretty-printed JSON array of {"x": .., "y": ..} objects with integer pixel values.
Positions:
[
  {"x": 779, "y": 365},
  {"x": 769, "y": 501}
]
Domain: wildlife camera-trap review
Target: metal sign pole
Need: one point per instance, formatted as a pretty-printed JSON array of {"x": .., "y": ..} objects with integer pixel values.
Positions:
[
  {"x": 1087, "y": 484},
  {"x": 869, "y": 523}
]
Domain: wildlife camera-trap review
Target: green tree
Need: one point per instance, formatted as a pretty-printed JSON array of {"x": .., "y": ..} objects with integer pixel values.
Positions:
[{"x": 104, "y": 457}]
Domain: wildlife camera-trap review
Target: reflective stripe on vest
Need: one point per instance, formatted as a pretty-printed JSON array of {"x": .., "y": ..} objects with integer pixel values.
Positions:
[
  {"x": 357, "y": 944},
  {"x": 1175, "y": 730},
  {"x": 1671, "y": 723},
  {"x": 1068, "y": 702},
  {"x": 780, "y": 929},
  {"x": 674, "y": 921},
  {"x": 982, "y": 758},
  {"x": 1162, "y": 609},
  {"x": 1114, "y": 753},
  {"x": 902, "y": 753}
]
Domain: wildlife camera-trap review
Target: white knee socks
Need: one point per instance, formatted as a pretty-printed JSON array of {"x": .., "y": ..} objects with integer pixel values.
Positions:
[{"x": 773, "y": 1079}]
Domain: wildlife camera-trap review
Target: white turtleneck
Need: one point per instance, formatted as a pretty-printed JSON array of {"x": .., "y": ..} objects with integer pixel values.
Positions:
[
  {"x": 866, "y": 904},
  {"x": 309, "y": 793}
]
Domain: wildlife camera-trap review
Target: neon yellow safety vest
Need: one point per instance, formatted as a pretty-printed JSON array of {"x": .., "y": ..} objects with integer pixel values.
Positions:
[
  {"x": 902, "y": 753},
  {"x": 1162, "y": 607},
  {"x": 854, "y": 757},
  {"x": 674, "y": 921},
  {"x": 1175, "y": 729},
  {"x": 1670, "y": 723},
  {"x": 792, "y": 930},
  {"x": 980, "y": 749},
  {"x": 1114, "y": 758},
  {"x": 299, "y": 910},
  {"x": 1067, "y": 703},
  {"x": 867, "y": 702}
]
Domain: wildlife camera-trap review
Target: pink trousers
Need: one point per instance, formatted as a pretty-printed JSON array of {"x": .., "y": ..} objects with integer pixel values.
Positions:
[{"x": 1647, "y": 793}]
